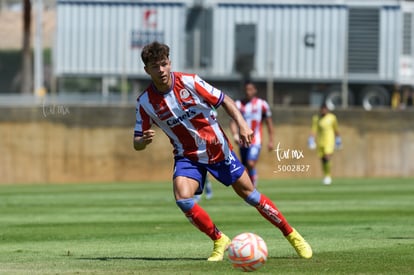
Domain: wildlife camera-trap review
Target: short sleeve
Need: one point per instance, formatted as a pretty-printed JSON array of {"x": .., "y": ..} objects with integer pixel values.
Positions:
[
  {"x": 267, "y": 112},
  {"x": 143, "y": 121},
  {"x": 210, "y": 94}
]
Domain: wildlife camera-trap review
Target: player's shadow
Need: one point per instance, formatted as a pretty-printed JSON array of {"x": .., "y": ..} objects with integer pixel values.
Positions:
[{"x": 142, "y": 259}]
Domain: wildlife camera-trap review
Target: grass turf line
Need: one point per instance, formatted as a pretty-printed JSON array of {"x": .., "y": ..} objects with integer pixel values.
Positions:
[{"x": 355, "y": 226}]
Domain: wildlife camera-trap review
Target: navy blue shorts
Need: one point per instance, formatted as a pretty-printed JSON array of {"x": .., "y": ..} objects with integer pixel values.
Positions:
[{"x": 227, "y": 171}]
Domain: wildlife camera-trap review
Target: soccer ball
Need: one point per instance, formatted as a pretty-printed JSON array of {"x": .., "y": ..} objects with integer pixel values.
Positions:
[{"x": 247, "y": 252}]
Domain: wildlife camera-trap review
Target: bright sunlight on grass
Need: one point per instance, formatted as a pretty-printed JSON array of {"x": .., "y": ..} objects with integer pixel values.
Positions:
[{"x": 355, "y": 226}]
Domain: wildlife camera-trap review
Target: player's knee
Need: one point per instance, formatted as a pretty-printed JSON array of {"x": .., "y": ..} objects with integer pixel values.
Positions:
[{"x": 185, "y": 204}]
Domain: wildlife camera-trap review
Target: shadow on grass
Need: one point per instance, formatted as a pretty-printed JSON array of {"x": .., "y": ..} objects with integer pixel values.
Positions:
[
  {"x": 162, "y": 258},
  {"x": 142, "y": 259}
]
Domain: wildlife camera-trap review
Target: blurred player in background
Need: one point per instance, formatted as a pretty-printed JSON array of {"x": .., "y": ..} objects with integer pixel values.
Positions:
[
  {"x": 182, "y": 105},
  {"x": 325, "y": 138},
  {"x": 254, "y": 110},
  {"x": 208, "y": 188}
]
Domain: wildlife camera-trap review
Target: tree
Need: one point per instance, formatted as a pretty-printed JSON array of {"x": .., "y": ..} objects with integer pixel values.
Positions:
[{"x": 27, "y": 82}]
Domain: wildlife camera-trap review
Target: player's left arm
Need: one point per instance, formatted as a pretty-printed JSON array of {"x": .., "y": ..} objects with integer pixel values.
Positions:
[
  {"x": 270, "y": 131},
  {"x": 338, "y": 139},
  {"x": 335, "y": 126},
  {"x": 314, "y": 127},
  {"x": 269, "y": 125},
  {"x": 143, "y": 135},
  {"x": 245, "y": 133},
  {"x": 235, "y": 131}
]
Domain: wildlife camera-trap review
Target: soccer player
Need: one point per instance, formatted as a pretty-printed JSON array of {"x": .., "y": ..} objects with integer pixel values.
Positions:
[
  {"x": 181, "y": 104},
  {"x": 208, "y": 187},
  {"x": 325, "y": 138},
  {"x": 254, "y": 110}
]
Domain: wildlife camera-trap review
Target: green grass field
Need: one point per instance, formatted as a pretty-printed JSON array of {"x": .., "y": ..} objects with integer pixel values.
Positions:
[{"x": 355, "y": 226}]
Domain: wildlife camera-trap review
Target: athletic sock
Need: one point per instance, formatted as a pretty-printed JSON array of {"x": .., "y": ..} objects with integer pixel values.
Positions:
[
  {"x": 269, "y": 211},
  {"x": 200, "y": 219},
  {"x": 326, "y": 167}
]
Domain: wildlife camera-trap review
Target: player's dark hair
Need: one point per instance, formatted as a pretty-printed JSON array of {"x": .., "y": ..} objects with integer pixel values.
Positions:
[
  {"x": 154, "y": 52},
  {"x": 248, "y": 82}
]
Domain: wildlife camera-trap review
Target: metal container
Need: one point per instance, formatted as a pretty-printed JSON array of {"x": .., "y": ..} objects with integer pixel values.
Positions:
[
  {"x": 294, "y": 41},
  {"x": 309, "y": 42},
  {"x": 106, "y": 37}
]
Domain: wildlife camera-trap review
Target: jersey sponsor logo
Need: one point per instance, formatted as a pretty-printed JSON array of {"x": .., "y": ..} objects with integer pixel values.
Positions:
[{"x": 187, "y": 115}]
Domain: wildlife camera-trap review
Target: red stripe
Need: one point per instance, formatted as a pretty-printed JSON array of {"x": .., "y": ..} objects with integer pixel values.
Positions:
[
  {"x": 254, "y": 128},
  {"x": 211, "y": 99},
  {"x": 159, "y": 105},
  {"x": 187, "y": 141},
  {"x": 254, "y": 102},
  {"x": 209, "y": 137}
]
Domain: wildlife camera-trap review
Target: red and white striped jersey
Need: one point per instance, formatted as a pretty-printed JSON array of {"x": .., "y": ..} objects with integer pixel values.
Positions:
[
  {"x": 254, "y": 111},
  {"x": 187, "y": 116}
]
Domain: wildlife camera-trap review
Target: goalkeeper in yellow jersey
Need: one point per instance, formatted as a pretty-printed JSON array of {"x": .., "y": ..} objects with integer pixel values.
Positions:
[{"x": 325, "y": 138}]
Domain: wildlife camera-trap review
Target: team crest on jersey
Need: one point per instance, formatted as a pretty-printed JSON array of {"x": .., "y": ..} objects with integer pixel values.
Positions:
[
  {"x": 184, "y": 94},
  {"x": 186, "y": 98}
]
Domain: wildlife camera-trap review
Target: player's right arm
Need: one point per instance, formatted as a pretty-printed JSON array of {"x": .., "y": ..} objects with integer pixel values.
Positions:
[
  {"x": 141, "y": 142},
  {"x": 143, "y": 135}
]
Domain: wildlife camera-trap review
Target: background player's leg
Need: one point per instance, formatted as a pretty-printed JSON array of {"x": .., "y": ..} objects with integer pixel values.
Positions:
[
  {"x": 252, "y": 158},
  {"x": 209, "y": 188},
  {"x": 326, "y": 167},
  {"x": 251, "y": 170}
]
